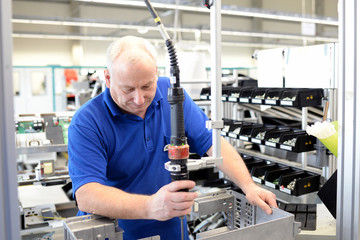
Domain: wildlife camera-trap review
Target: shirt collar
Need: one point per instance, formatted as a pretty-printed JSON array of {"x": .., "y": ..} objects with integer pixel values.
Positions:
[{"x": 116, "y": 111}]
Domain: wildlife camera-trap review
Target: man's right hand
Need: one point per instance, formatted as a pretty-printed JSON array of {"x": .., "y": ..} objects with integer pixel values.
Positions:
[{"x": 169, "y": 202}]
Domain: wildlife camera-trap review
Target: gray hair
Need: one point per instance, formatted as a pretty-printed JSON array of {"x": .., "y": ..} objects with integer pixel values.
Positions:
[{"x": 132, "y": 46}]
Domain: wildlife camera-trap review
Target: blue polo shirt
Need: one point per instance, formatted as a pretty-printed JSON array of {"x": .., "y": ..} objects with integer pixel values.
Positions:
[{"x": 125, "y": 151}]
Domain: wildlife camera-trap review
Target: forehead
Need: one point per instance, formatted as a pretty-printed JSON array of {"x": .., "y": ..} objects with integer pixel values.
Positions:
[{"x": 134, "y": 73}]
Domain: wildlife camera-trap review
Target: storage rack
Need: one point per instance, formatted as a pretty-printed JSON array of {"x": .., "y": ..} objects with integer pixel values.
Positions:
[{"x": 299, "y": 99}]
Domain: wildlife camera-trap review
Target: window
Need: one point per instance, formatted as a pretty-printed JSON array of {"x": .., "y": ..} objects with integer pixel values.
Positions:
[
  {"x": 16, "y": 83},
  {"x": 38, "y": 83}
]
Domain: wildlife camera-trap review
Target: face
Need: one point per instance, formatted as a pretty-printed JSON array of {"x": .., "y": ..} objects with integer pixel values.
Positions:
[{"x": 133, "y": 85}]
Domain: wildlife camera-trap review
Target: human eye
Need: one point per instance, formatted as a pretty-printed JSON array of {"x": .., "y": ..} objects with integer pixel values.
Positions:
[
  {"x": 128, "y": 90},
  {"x": 146, "y": 87}
]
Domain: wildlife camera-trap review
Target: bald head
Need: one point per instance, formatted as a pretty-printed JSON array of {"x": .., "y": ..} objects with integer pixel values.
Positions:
[{"x": 131, "y": 50}]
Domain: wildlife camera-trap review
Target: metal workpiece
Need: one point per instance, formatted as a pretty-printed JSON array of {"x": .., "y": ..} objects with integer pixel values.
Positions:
[
  {"x": 247, "y": 221},
  {"x": 92, "y": 227},
  {"x": 213, "y": 203},
  {"x": 204, "y": 162}
]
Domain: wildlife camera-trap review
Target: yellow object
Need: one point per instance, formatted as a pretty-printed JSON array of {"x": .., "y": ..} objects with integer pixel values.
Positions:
[{"x": 332, "y": 142}]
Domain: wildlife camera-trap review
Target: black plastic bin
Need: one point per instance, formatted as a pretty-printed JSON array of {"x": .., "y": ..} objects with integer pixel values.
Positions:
[
  {"x": 258, "y": 133},
  {"x": 226, "y": 90},
  {"x": 250, "y": 163},
  {"x": 227, "y": 123},
  {"x": 273, "y": 96},
  {"x": 245, "y": 94},
  {"x": 303, "y": 97},
  {"x": 301, "y": 142},
  {"x": 235, "y": 93},
  {"x": 235, "y": 129},
  {"x": 272, "y": 137},
  {"x": 245, "y": 132},
  {"x": 205, "y": 93},
  {"x": 258, "y": 172},
  {"x": 272, "y": 177},
  {"x": 299, "y": 183},
  {"x": 258, "y": 95}
]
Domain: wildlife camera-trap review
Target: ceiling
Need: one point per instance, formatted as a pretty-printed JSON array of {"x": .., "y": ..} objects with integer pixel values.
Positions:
[{"x": 257, "y": 23}]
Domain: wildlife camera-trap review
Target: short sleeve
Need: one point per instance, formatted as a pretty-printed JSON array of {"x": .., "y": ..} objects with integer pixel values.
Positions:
[
  {"x": 199, "y": 137},
  {"x": 87, "y": 157}
]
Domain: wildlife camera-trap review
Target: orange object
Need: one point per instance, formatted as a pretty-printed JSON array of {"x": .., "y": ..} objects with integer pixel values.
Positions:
[
  {"x": 70, "y": 76},
  {"x": 178, "y": 152}
]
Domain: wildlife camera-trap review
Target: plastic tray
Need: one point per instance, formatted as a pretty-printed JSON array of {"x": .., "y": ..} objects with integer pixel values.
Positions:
[
  {"x": 302, "y": 97},
  {"x": 273, "y": 96},
  {"x": 258, "y": 172},
  {"x": 254, "y": 162},
  {"x": 226, "y": 93},
  {"x": 302, "y": 142},
  {"x": 235, "y": 129},
  {"x": 258, "y": 133},
  {"x": 227, "y": 126},
  {"x": 272, "y": 137},
  {"x": 272, "y": 177},
  {"x": 237, "y": 92},
  {"x": 245, "y": 132},
  {"x": 258, "y": 95},
  {"x": 305, "y": 182},
  {"x": 245, "y": 94},
  {"x": 205, "y": 93}
]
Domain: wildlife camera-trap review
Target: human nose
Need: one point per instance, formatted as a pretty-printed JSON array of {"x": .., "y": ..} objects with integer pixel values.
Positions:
[{"x": 139, "y": 98}]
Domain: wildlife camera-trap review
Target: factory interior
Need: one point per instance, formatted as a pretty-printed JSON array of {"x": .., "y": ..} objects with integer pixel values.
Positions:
[{"x": 276, "y": 79}]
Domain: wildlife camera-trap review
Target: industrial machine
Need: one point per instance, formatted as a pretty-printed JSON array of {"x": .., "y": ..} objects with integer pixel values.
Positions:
[{"x": 243, "y": 221}]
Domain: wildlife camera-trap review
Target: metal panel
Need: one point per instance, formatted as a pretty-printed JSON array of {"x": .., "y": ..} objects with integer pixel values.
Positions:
[
  {"x": 9, "y": 213},
  {"x": 253, "y": 223},
  {"x": 348, "y": 184}
]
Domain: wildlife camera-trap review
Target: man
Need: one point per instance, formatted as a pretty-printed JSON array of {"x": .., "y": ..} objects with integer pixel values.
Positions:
[{"x": 116, "y": 149}]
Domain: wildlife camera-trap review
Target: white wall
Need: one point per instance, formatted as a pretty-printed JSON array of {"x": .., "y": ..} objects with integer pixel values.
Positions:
[{"x": 41, "y": 52}]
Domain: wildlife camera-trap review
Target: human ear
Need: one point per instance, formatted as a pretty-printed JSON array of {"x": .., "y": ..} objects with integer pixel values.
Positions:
[{"x": 107, "y": 78}]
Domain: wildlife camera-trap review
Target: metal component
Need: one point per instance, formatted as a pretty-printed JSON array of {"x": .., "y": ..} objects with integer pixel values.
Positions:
[
  {"x": 215, "y": 25},
  {"x": 215, "y": 124},
  {"x": 249, "y": 222},
  {"x": 213, "y": 203},
  {"x": 9, "y": 212},
  {"x": 348, "y": 184},
  {"x": 204, "y": 162},
  {"x": 92, "y": 227},
  {"x": 172, "y": 168}
]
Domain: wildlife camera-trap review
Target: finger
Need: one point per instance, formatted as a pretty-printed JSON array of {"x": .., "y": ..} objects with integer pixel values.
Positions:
[
  {"x": 266, "y": 208},
  {"x": 179, "y": 185},
  {"x": 178, "y": 197},
  {"x": 271, "y": 200},
  {"x": 181, "y": 206},
  {"x": 178, "y": 213}
]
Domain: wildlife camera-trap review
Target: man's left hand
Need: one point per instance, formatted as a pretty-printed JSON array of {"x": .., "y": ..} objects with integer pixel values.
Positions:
[{"x": 260, "y": 197}]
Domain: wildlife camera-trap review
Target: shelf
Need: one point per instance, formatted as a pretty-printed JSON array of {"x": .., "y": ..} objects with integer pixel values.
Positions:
[
  {"x": 293, "y": 140},
  {"x": 42, "y": 149},
  {"x": 284, "y": 97},
  {"x": 279, "y": 160}
]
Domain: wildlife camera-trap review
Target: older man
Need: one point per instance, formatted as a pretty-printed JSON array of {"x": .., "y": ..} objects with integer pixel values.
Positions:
[{"x": 116, "y": 149}]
